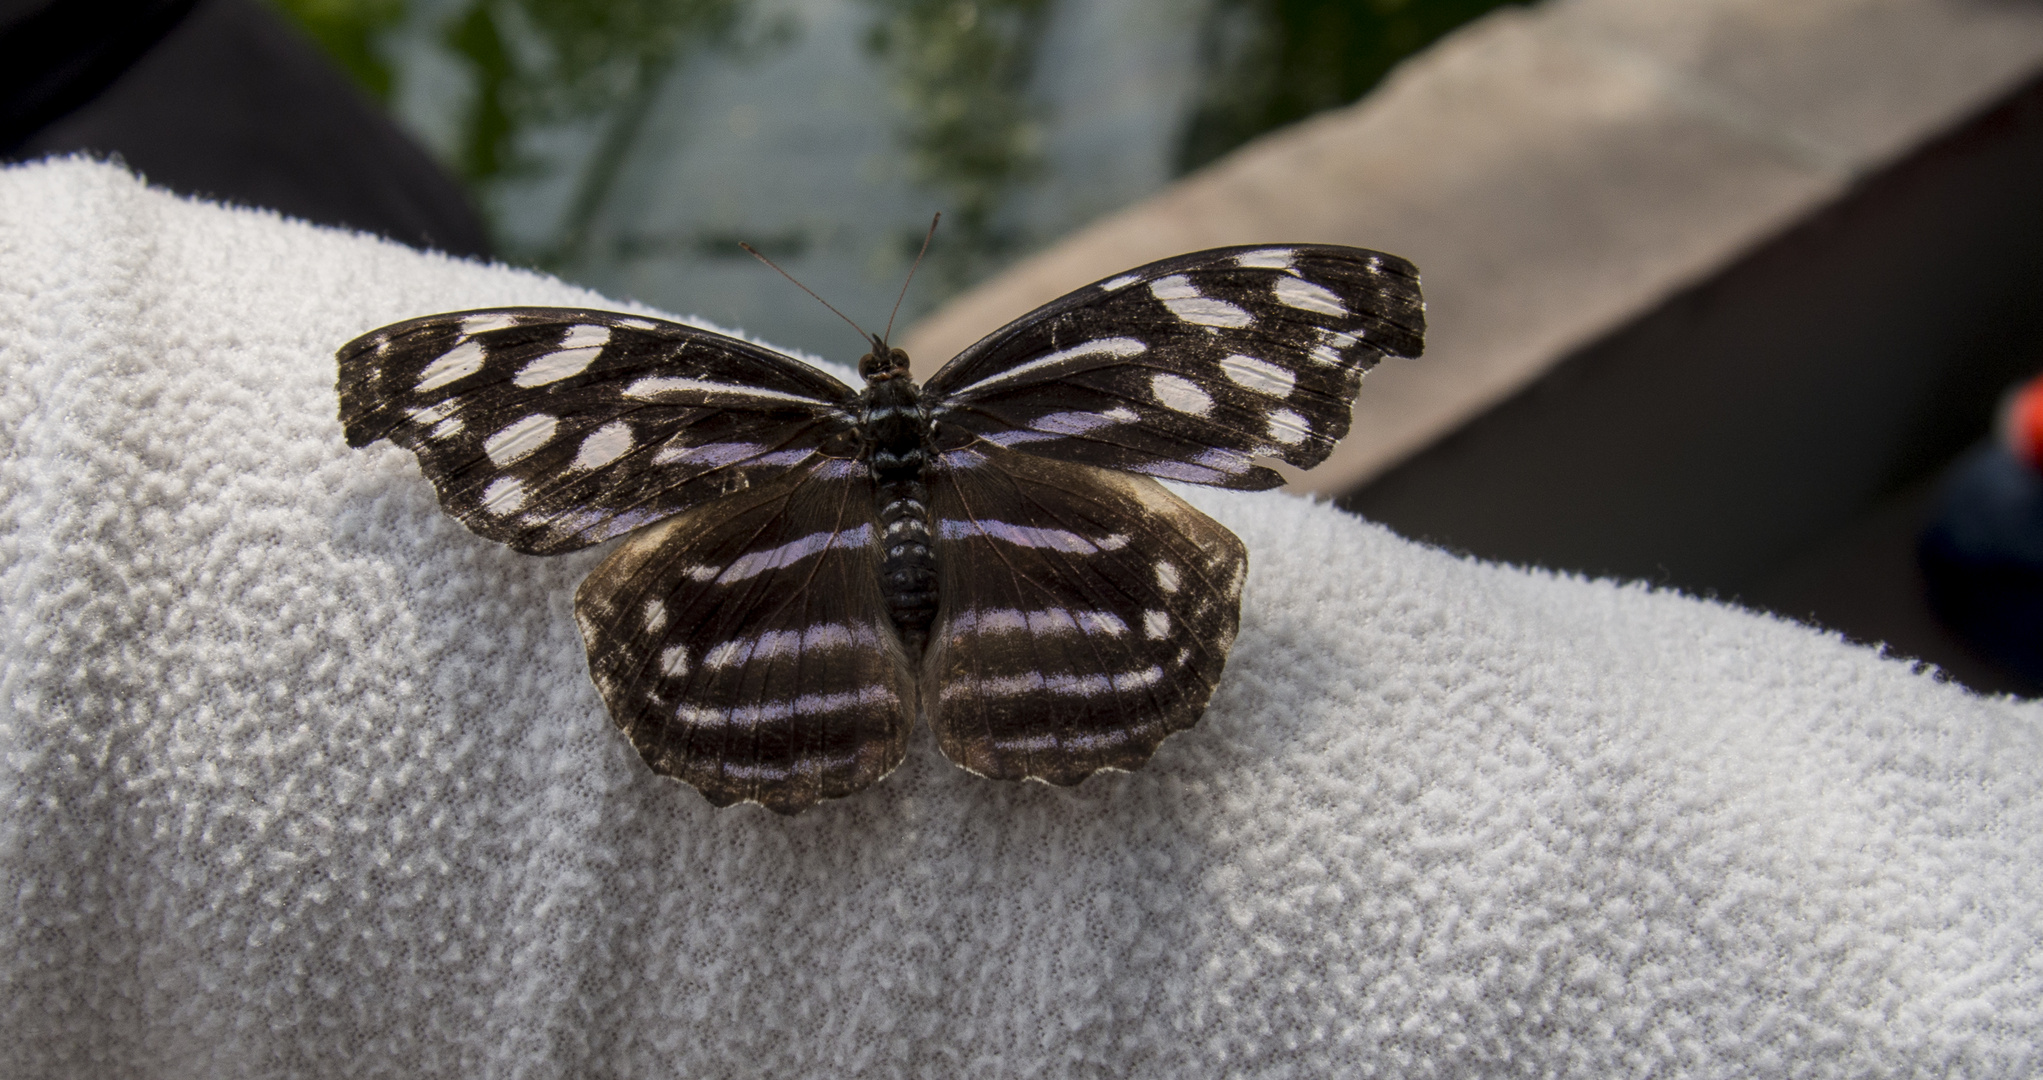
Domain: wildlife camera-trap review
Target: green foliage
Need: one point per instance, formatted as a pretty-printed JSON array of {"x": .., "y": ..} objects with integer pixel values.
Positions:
[
  {"x": 538, "y": 62},
  {"x": 1273, "y": 62},
  {"x": 348, "y": 30},
  {"x": 489, "y": 138},
  {"x": 543, "y": 61},
  {"x": 961, "y": 70}
]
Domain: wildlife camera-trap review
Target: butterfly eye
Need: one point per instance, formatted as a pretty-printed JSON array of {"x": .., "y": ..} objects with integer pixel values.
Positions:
[{"x": 875, "y": 365}]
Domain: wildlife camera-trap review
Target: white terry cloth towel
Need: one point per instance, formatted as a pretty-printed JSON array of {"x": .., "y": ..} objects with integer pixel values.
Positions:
[{"x": 301, "y": 779}]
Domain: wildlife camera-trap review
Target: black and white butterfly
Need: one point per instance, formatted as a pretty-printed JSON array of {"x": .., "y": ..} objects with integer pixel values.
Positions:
[{"x": 812, "y": 568}]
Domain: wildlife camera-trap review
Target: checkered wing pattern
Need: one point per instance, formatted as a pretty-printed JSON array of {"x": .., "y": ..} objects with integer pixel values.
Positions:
[
  {"x": 550, "y": 429},
  {"x": 1192, "y": 368},
  {"x": 744, "y": 646},
  {"x": 1087, "y": 614}
]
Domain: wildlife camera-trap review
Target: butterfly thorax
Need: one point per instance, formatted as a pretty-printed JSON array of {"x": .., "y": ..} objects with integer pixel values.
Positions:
[{"x": 896, "y": 431}]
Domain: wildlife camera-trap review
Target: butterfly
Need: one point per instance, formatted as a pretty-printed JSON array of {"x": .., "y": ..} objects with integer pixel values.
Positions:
[{"x": 809, "y": 569}]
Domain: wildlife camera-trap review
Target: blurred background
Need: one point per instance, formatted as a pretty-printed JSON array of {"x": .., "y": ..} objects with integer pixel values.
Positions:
[
  {"x": 1725, "y": 294},
  {"x": 630, "y": 144}
]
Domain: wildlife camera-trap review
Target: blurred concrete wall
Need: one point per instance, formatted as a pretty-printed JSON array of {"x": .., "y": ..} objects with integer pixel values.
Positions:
[
  {"x": 1558, "y": 172},
  {"x": 1707, "y": 439}
]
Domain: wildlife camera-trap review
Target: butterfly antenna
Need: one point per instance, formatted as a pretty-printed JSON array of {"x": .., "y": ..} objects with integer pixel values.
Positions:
[
  {"x": 776, "y": 268},
  {"x": 926, "y": 237}
]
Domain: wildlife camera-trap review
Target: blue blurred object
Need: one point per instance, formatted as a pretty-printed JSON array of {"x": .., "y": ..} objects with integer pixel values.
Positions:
[{"x": 1982, "y": 553}]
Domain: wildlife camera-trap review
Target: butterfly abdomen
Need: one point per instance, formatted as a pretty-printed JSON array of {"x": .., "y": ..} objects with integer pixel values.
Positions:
[{"x": 897, "y": 454}]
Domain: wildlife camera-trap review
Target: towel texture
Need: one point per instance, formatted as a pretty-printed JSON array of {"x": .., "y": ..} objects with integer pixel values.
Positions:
[{"x": 302, "y": 779}]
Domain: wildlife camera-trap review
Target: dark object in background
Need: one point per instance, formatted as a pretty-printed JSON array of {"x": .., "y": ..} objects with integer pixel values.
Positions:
[
  {"x": 57, "y": 56},
  {"x": 1982, "y": 554},
  {"x": 220, "y": 99},
  {"x": 1770, "y": 435}
]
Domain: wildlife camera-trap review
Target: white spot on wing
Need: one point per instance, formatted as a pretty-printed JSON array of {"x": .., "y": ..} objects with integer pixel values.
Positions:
[
  {"x": 836, "y": 636},
  {"x": 604, "y": 445},
  {"x": 1116, "y": 347},
  {"x": 1073, "y": 423},
  {"x": 707, "y": 454},
  {"x": 1167, "y": 576},
  {"x": 1305, "y": 296},
  {"x": 1227, "y": 461},
  {"x": 758, "y": 562},
  {"x": 1101, "y": 622},
  {"x": 433, "y": 414},
  {"x": 573, "y": 357},
  {"x": 1029, "y": 536},
  {"x": 657, "y": 386},
  {"x": 787, "y": 644},
  {"x": 520, "y": 439},
  {"x": 483, "y": 324},
  {"x": 1289, "y": 428},
  {"x": 1173, "y": 392},
  {"x": 1261, "y": 376},
  {"x": 991, "y": 621},
  {"x": 807, "y": 706},
  {"x": 656, "y": 616},
  {"x": 1155, "y": 625},
  {"x": 503, "y": 496},
  {"x": 1266, "y": 259},
  {"x": 459, "y": 362},
  {"x": 1121, "y": 282},
  {"x": 724, "y": 655},
  {"x": 1045, "y": 623},
  {"x": 1184, "y": 300},
  {"x": 1332, "y": 344},
  {"x": 674, "y": 660},
  {"x": 441, "y": 416},
  {"x": 1058, "y": 685}
]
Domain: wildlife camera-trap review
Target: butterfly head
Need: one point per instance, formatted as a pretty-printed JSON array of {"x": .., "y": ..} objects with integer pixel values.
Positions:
[{"x": 883, "y": 363}]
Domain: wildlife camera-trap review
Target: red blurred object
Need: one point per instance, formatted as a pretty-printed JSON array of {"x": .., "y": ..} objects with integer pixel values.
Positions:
[
  {"x": 1982, "y": 554},
  {"x": 2021, "y": 423}
]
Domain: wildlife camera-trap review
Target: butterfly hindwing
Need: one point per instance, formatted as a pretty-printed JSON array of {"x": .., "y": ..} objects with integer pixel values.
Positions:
[
  {"x": 1190, "y": 368},
  {"x": 550, "y": 429},
  {"x": 744, "y": 647},
  {"x": 1085, "y": 615}
]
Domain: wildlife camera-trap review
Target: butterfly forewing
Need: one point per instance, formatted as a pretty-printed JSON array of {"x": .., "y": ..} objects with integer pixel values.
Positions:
[
  {"x": 552, "y": 429},
  {"x": 744, "y": 647},
  {"x": 1192, "y": 367},
  {"x": 1085, "y": 615}
]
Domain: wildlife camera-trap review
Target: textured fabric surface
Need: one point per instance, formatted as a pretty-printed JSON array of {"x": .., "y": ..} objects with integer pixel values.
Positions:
[{"x": 301, "y": 779}]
